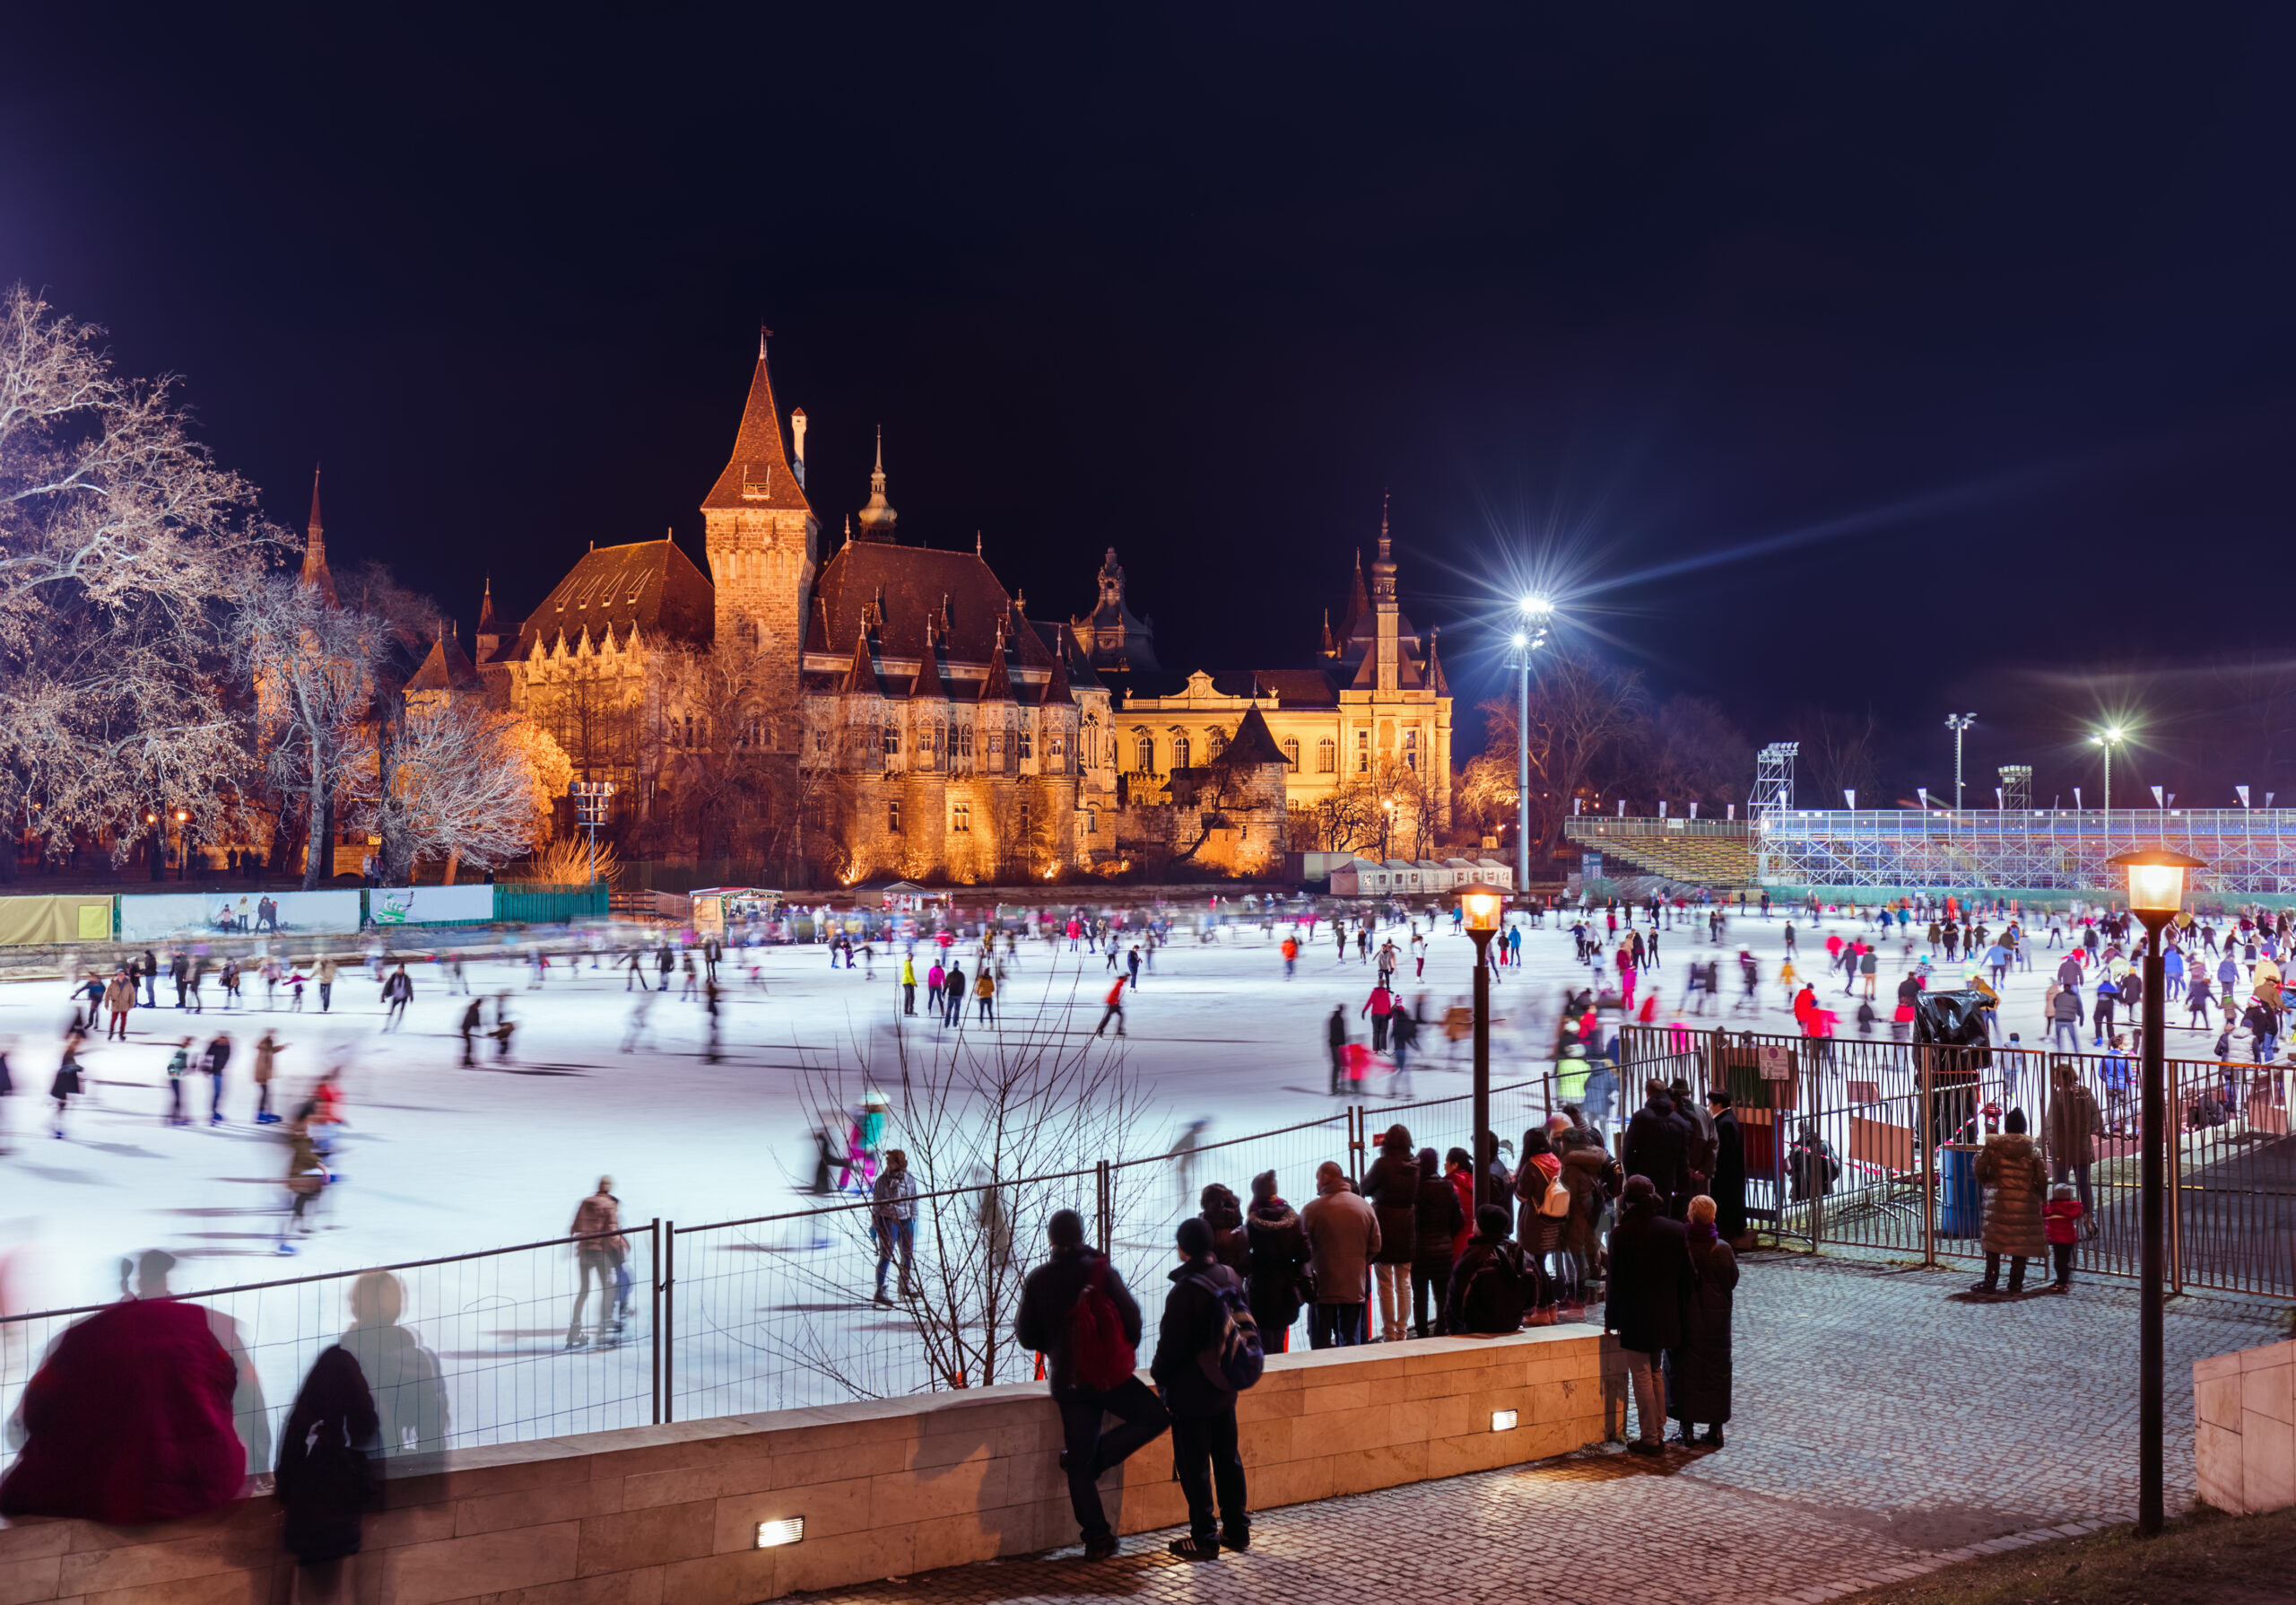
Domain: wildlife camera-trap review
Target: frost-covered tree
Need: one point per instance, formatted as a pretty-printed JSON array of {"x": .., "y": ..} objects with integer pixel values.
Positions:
[
  {"x": 123, "y": 554},
  {"x": 457, "y": 780},
  {"x": 310, "y": 666}
]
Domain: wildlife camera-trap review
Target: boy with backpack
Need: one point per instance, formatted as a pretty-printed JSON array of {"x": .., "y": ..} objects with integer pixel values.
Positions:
[
  {"x": 1077, "y": 1312},
  {"x": 1207, "y": 1351}
]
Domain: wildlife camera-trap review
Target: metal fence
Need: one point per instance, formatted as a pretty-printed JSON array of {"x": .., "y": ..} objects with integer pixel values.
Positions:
[
  {"x": 1853, "y": 1148},
  {"x": 773, "y": 1313}
]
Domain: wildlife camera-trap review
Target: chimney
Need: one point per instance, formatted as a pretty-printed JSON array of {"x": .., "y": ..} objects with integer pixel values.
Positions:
[{"x": 797, "y": 437}]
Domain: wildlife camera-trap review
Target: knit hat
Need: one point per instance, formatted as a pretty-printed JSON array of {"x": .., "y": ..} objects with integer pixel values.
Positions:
[
  {"x": 2015, "y": 1124},
  {"x": 1639, "y": 1190},
  {"x": 1065, "y": 1229},
  {"x": 1491, "y": 1220},
  {"x": 1193, "y": 1237},
  {"x": 1263, "y": 1185}
]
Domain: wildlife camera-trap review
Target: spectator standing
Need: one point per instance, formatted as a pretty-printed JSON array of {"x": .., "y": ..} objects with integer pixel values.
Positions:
[
  {"x": 2011, "y": 1174},
  {"x": 1436, "y": 1222},
  {"x": 329, "y": 1472},
  {"x": 2073, "y": 1122},
  {"x": 1494, "y": 1281},
  {"x": 1698, "y": 1371},
  {"x": 1649, "y": 1275},
  {"x": 1277, "y": 1262},
  {"x": 1342, "y": 1236},
  {"x": 1656, "y": 1143},
  {"x": 1221, "y": 1213},
  {"x": 1090, "y": 1386},
  {"x": 1729, "y": 1189},
  {"x": 1392, "y": 1186},
  {"x": 1205, "y": 1455},
  {"x": 892, "y": 1221}
]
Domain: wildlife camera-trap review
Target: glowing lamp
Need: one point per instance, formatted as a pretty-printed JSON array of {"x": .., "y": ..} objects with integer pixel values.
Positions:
[
  {"x": 1482, "y": 902},
  {"x": 2156, "y": 879},
  {"x": 772, "y": 1535},
  {"x": 1502, "y": 1420},
  {"x": 1537, "y": 607}
]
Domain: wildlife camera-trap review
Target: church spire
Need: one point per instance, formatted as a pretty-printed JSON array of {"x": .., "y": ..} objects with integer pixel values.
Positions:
[
  {"x": 314, "y": 570},
  {"x": 877, "y": 518}
]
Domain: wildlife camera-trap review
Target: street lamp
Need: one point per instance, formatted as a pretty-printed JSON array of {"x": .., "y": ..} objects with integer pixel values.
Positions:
[
  {"x": 1958, "y": 723},
  {"x": 1536, "y": 610},
  {"x": 1482, "y": 900},
  {"x": 2156, "y": 891},
  {"x": 591, "y": 800},
  {"x": 2109, "y": 737}
]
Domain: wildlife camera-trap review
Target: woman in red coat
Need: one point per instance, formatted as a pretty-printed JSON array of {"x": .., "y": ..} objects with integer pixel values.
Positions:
[{"x": 129, "y": 1420}]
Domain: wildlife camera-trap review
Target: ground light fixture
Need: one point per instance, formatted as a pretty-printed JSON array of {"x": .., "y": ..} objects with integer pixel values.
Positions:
[
  {"x": 1480, "y": 901},
  {"x": 1502, "y": 1420},
  {"x": 772, "y": 1535},
  {"x": 2156, "y": 893}
]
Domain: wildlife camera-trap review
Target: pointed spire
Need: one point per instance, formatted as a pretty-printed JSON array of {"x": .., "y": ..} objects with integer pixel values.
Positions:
[
  {"x": 1386, "y": 553},
  {"x": 1055, "y": 690},
  {"x": 877, "y": 518},
  {"x": 976, "y": 543},
  {"x": 1433, "y": 679},
  {"x": 314, "y": 570},
  {"x": 861, "y": 677},
  {"x": 758, "y": 474},
  {"x": 998, "y": 686}
]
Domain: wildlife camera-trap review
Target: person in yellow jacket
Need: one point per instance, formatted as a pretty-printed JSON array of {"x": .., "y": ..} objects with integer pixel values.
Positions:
[
  {"x": 984, "y": 994},
  {"x": 907, "y": 985}
]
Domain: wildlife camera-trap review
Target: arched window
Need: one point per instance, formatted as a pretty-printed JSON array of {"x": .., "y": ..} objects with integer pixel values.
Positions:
[
  {"x": 1411, "y": 749},
  {"x": 1292, "y": 753},
  {"x": 1326, "y": 756},
  {"x": 1147, "y": 754},
  {"x": 1218, "y": 741},
  {"x": 1179, "y": 752}
]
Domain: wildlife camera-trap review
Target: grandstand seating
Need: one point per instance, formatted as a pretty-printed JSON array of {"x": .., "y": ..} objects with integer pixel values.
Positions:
[{"x": 1698, "y": 852}]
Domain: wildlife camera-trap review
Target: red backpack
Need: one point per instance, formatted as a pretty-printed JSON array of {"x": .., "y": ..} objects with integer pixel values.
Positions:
[{"x": 1098, "y": 1354}]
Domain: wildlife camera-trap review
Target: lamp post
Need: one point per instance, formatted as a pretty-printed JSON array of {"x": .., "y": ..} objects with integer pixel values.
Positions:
[
  {"x": 2156, "y": 891},
  {"x": 1536, "y": 611},
  {"x": 591, "y": 801},
  {"x": 1481, "y": 902},
  {"x": 2109, "y": 737},
  {"x": 1958, "y": 723}
]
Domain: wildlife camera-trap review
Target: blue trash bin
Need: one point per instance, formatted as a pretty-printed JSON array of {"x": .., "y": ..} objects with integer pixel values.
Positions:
[{"x": 1960, "y": 1203}]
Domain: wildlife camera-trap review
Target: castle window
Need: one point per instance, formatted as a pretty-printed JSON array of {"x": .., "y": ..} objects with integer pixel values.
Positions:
[
  {"x": 1411, "y": 749},
  {"x": 960, "y": 817},
  {"x": 995, "y": 744},
  {"x": 892, "y": 816},
  {"x": 1024, "y": 818},
  {"x": 1219, "y": 740},
  {"x": 1292, "y": 753},
  {"x": 1028, "y": 746},
  {"x": 689, "y": 729},
  {"x": 1091, "y": 819},
  {"x": 892, "y": 742},
  {"x": 1326, "y": 756},
  {"x": 821, "y": 741},
  {"x": 1147, "y": 754},
  {"x": 1179, "y": 752},
  {"x": 1363, "y": 752},
  {"x": 964, "y": 741}
]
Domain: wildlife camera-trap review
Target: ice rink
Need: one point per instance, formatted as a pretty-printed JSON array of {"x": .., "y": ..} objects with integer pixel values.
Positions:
[{"x": 437, "y": 1159}]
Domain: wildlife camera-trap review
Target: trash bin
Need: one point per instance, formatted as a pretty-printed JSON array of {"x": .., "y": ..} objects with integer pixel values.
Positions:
[{"x": 1960, "y": 1203}]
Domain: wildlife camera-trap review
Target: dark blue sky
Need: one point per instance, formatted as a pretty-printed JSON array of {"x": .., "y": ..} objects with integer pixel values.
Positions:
[{"x": 1999, "y": 296}]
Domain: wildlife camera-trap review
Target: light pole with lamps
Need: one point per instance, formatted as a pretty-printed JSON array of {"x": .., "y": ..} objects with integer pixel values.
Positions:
[
  {"x": 1536, "y": 611},
  {"x": 1958, "y": 723},
  {"x": 1482, "y": 900},
  {"x": 2109, "y": 737},
  {"x": 2156, "y": 891}
]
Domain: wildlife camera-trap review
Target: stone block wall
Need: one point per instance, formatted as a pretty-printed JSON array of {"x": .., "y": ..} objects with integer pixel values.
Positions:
[
  {"x": 2244, "y": 1436},
  {"x": 668, "y": 1515}
]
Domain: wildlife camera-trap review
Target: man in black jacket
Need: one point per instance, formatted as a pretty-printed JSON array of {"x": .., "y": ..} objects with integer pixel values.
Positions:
[
  {"x": 1650, "y": 1271},
  {"x": 1656, "y": 1143},
  {"x": 1047, "y": 1300},
  {"x": 1203, "y": 1410}
]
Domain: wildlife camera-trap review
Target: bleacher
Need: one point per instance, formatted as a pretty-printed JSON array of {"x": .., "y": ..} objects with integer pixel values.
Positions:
[{"x": 1697, "y": 852}]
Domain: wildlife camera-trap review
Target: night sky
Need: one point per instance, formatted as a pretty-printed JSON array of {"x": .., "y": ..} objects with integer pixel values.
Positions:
[{"x": 1928, "y": 360}]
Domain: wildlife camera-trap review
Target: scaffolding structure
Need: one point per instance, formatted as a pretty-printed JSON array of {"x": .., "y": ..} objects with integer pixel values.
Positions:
[
  {"x": 2017, "y": 788},
  {"x": 2247, "y": 851}
]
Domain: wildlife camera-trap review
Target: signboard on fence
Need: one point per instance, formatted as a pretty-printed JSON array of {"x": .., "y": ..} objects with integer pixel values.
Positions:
[
  {"x": 44, "y": 920},
  {"x": 184, "y": 916},
  {"x": 1774, "y": 1062},
  {"x": 430, "y": 905}
]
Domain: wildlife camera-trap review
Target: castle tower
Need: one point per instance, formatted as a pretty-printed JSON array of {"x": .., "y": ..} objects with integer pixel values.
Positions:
[
  {"x": 314, "y": 570},
  {"x": 1388, "y": 644},
  {"x": 764, "y": 546}
]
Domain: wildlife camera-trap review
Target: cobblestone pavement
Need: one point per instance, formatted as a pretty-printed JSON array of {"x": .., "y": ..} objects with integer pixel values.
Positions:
[{"x": 1885, "y": 1425}]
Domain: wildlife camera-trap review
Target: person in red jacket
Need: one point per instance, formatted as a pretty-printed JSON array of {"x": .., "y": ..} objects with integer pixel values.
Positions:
[
  {"x": 129, "y": 1419},
  {"x": 1114, "y": 1010}
]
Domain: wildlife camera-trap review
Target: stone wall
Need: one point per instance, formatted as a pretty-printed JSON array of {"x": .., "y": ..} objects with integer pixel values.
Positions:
[
  {"x": 2244, "y": 1436},
  {"x": 668, "y": 1515}
]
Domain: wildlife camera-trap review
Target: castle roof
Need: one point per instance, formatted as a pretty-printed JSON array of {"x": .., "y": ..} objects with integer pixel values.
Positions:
[
  {"x": 996, "y": 686},
  {"x": 1252, "y": 744},
  {"x": 448, "y": 668},
  {"x": 955, "y": 593},
  {"x": 758, "y": 475},
  {"x": 649, "y": 585},
  {"x": 861, "y": 679}
]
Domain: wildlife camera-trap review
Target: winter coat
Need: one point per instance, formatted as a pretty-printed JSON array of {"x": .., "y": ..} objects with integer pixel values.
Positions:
[
  {"x": 2016, "y": 1186},
  {"x": 1698, "y": 1368},
  {"x": 1343, "y": 1235},
  {"x": 1582, "y": 1172},
  {"x": 1698, "y": 1158},
  {"x": 1491, "y": 1287},
  {"x": 1650, "y": 1273},
  {"x": 330, "y": 1460},
  {"x": 1436, "y": 1221},
  {"x": 894, "y": 1196},
  {"x": 1047, "y": 1298},
  {"x": 1227, "y": 1223},
  {"x": 1462, "y": 1189},
  {"x": 2073, "y": 1122},
  {"x": 1392, "y": 1185},
  {"x": 1728, "y": 1188},
  {"x": 128, "y": 1420},
  {"x": 119, "y": 996},
  {"x": 1538, "y": 1233},
  {"x": 1278, "y": 1255},
  {"x": 600, "y": 1212},
  {"x": 1655, "y": 1144},
  {"x": 1192, "y": 1323}
]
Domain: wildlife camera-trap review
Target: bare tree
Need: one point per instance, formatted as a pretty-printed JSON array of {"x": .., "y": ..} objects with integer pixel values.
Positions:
[
  {"x": 311, "y": 667},
  {"x": 1000, "y": 1132},
  {"x": 453, "y": 780},
  {"x": 122, "y": 551},
  {"x": 1841, "y": 752},
  {"x": 1582, "y": 712}
]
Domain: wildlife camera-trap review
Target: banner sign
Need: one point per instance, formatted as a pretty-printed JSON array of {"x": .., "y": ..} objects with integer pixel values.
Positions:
[
  {"x": 184, "y": 916},
  {"x": 391, "y": 906}
]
